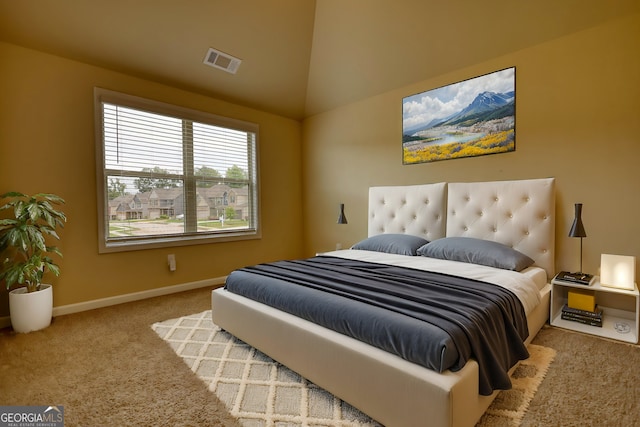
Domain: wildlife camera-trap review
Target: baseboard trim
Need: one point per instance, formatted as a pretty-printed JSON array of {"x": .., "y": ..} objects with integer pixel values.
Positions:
[{"x": 5, "y": 321}]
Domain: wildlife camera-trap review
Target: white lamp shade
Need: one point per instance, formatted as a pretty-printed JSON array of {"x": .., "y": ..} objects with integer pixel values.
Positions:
[{"x": 618, "y": 271}]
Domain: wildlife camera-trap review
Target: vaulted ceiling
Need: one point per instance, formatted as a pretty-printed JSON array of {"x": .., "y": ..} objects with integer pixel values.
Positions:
[{"x": 299, "y": 57}]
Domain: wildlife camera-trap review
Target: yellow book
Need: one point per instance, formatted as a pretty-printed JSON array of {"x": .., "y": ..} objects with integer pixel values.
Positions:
[{"x": 582, "y": 300}]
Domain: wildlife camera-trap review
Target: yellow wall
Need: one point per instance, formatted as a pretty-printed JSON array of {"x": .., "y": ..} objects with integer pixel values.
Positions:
[
  {"x": 577, "y": 119},
  {"x": 47, "y": 145}
]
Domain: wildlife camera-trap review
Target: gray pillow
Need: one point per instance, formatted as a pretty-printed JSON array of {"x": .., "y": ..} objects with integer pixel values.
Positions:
[
  {"x": 476, "y": 251},
  {"x": 401, "y": 244}
]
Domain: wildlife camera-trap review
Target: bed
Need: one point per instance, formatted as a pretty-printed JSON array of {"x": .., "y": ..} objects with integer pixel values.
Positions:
[{"x": 391, "y": 389}]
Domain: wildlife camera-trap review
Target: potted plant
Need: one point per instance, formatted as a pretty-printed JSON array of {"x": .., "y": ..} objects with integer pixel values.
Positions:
[{"x": 25, "y": 256}]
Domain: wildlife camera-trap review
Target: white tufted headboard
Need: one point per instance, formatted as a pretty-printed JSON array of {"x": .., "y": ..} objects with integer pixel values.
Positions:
[
  {"x": 418, "y": 210},
  {"x": 520, "y": 213}
]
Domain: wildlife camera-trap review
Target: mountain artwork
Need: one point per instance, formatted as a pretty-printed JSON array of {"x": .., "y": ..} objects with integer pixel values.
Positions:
[{"x": 471, "y": 118}]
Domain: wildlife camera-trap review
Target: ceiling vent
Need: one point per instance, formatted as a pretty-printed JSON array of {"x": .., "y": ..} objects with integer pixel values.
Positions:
[{"x": 222, "y": 61}]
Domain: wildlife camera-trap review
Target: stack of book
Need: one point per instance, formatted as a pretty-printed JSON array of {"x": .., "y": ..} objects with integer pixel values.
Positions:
[
  {"x": 575, "y": 278},
  {"x": 593, "y": 318}
]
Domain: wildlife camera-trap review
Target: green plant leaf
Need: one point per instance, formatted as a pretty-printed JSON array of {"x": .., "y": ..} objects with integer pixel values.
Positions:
[{"x": 23, "y": 245}]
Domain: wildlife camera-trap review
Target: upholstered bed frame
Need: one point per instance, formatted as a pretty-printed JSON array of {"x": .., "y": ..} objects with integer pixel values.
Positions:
[{"x": 391, "y": 390}]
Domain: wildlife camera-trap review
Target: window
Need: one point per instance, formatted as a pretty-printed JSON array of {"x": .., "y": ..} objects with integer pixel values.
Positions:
[{"x": 171, "y": 176}]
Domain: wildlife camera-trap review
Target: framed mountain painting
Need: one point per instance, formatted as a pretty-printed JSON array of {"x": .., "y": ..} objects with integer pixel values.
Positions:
[{"x": 473, "y": 117}]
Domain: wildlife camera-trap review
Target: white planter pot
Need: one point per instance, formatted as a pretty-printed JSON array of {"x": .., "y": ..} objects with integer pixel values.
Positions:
[{"x": 31, "y": 311}]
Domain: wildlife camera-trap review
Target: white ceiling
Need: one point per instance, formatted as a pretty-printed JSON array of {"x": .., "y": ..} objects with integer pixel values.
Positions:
[{"x": 299, "y": 57}]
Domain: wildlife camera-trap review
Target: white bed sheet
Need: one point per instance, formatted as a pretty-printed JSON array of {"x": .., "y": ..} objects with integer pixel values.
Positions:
[{"x": 523, "y": 284}]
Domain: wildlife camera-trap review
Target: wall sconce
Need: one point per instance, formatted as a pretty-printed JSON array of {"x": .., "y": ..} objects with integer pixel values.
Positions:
[
  {"x": 618, "y": 271},
  {"x": 577, "y": 230},
  {"x": 342, "y": 219}
]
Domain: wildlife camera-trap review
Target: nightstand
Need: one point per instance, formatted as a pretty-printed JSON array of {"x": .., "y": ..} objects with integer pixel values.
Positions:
[{"x": 620, "y": 310}]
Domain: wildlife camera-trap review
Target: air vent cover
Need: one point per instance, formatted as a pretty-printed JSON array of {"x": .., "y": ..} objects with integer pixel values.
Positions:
[{"x": 222, "y": 61}]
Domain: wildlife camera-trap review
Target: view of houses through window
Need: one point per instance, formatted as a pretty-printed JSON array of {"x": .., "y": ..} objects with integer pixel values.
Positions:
[
  {"x": 160, "y": 210},
  {"x": 170, "y": 175}
]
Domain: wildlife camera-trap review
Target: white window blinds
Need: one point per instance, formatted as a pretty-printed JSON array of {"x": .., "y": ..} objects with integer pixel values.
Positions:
[{"x": 168, "y": 175}]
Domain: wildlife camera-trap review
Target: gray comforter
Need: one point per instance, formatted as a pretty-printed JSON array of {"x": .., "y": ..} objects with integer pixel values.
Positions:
[{"x": 435, "y": 320}]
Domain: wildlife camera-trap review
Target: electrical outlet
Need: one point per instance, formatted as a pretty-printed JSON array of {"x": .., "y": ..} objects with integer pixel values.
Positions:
[
  {"x": 338, "y": 246},
  {"x": 171, "y": 260}
]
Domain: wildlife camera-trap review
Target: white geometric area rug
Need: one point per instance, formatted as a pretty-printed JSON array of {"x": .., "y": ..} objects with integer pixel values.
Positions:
[
  {"x": 260, "y": 392},
  {"x": 256, "y": 390}
]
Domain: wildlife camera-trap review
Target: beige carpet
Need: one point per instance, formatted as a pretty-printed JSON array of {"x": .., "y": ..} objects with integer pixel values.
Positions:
[
  {"x": 260, "y": 392},
  {"x": 592, "y": 382},
  {"x": 109, "y": 368}
]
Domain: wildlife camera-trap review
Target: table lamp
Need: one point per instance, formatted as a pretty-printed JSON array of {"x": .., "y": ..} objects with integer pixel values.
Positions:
[
  {"x": 342, "y": 219},
  {"x": 577, "y": 230},
  {"x": 618, "y": 271}
]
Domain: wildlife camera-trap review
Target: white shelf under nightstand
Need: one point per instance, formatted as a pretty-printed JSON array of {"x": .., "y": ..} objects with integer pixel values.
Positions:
[{"x": 619, "y": 308}]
